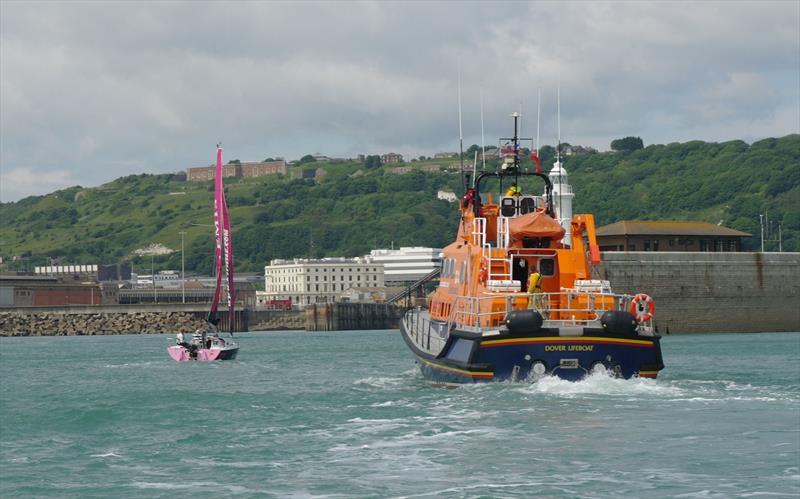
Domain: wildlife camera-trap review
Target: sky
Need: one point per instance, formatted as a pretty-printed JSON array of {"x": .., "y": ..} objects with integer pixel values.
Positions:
[{"x": 93, "y": 91}]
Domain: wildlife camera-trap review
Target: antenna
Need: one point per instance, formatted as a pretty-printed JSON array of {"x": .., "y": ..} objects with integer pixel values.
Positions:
[
  {"x": 460, "y": 131},
  {"x": 538, "y": 118},
  {"x": 558, "y": 149},
  {"x": 520, "y": 118},
  {"x": 483, "y": 142}
]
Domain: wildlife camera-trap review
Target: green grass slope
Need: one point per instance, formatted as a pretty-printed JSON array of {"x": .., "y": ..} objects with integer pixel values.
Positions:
[{"x": 347, "y": 213}]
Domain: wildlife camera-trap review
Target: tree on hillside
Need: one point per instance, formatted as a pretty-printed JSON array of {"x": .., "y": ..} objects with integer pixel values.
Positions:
[
  {"x": 373, "y": 161},
  {"x": 547, "y": 153},
  {"x": 307, "y": 159},
  {"x": 627, "y": 144},
  {"x": 234, "y": 162}
]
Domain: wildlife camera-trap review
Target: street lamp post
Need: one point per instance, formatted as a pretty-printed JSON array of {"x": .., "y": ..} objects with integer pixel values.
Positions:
[{"x": 183, "y": 277}]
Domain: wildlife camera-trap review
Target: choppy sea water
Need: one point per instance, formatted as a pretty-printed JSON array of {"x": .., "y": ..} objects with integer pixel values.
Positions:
[{"x": 347, "y": 414}]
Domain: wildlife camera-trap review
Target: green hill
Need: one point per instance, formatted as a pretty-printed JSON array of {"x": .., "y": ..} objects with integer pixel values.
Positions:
[{"x": 348, "y": 213}]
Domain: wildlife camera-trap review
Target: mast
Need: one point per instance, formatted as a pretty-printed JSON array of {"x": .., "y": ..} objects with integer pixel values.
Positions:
[
  {"x": 483, "y": 141},
  {"x": 460, "y": 131}
]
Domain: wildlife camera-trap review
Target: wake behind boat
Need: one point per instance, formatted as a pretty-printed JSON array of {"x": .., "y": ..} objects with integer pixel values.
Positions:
[
  {"x": 516, "y": 298},
  {"x": 206, "y": 344}
]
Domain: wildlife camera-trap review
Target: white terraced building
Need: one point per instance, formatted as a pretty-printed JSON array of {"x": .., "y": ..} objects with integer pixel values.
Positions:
[
  {"x": 319, "y": 281},
  {"x": 407, "y": 264}
]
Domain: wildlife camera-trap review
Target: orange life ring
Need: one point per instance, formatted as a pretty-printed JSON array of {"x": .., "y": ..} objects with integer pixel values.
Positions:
[
  {"x": 643, "y": 307},
  {"x": 483, "y": 273}
]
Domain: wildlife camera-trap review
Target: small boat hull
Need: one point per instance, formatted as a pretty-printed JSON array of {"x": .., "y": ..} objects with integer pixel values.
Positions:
[
  {"x": 182, "y": 354},
  {"x": 469, "y": 357}
]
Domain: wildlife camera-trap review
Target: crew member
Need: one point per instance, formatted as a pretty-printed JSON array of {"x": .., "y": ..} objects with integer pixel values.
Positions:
[
  {"x": 536, "y": 299},
  {"x": 514, "y": 190},
  {"x": 179, "y": 338}
]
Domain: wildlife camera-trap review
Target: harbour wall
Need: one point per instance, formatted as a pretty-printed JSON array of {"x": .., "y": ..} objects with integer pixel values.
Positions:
[
  {"x": 711, "y": 292},
  {"x": 694, "y": 293},
  {"x": 92, "y": 320}
]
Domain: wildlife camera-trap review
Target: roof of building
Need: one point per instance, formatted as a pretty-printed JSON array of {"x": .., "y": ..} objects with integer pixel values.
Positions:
[{"x": 667, "y": 228}]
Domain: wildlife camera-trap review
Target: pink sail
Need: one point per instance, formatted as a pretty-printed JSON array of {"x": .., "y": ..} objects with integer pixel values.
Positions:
[
  {"x": 228, "y": 246},
  {"x": 219, "y": 198}
]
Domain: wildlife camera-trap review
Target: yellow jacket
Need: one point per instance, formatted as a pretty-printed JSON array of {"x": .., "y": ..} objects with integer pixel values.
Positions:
[{"x": 535, "y": 283}]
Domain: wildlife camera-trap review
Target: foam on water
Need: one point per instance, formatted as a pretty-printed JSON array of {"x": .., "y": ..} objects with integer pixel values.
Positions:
[{"x": 601, "y": 383}]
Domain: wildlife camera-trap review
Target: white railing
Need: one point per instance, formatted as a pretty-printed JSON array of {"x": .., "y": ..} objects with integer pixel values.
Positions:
[
  {"x": 418, "y": 324},
  {"x": 502, "y": 232},
  {"x": 479, "y": 231},
  {"x": 486, "y": 253}
]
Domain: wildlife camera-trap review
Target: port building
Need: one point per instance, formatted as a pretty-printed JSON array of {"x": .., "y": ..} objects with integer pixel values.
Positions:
[
  {"x": 407, "y": 264},
  {"x": 634, "y": 235},
  {"x": 310, "y": 281}
]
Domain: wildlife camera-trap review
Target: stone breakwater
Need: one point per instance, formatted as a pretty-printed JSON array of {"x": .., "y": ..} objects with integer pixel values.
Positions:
[{"x": 90, "y": 324}]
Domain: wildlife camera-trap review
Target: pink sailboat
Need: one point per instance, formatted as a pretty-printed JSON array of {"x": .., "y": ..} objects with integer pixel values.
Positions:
[{"x": 206, "y": 344}]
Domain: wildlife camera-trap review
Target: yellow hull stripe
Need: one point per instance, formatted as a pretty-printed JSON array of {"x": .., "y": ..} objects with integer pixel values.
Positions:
[
  {"x": 561, "y": 339},
  {"x": 648, "y": 374},
  {"x": 463, "y": 372}
]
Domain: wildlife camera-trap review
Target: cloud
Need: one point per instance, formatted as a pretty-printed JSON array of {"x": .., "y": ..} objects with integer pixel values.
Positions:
[
  {"x": 105, "y": 90},
  {"x": 25, "y": 181}
]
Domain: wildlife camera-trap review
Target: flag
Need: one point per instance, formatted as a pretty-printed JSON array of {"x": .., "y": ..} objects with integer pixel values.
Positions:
[{"x": 535, "y": 157}]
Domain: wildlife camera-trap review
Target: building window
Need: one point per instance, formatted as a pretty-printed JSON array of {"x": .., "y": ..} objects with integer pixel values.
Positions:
[
  {"x": 632, "y": 247},
  {"x": 655, "y": 245},
  {"x": 647, "y": 245}
]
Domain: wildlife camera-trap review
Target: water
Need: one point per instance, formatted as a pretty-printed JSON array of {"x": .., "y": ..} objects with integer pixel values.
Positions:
[{"x": 347, "y": 414}]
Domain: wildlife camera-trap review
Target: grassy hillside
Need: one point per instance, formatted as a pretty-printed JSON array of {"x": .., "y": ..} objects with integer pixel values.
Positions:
[{"x": 346, "y": 215}]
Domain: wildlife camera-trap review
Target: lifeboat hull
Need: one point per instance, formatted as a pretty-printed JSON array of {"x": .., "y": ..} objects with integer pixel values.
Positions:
[{"x": 469, "y": 357}]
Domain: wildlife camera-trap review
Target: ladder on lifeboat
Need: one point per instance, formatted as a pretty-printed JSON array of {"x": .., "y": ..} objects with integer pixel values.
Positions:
[{"x": 499, "y": 268}]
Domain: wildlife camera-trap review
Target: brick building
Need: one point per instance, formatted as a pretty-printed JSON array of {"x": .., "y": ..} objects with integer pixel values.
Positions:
[
  {"x": 35, "y": 291},
  {"x": 263, "y": 168},
  {"x": 629, "y": 235},
  {"x": 248, "y": 169},
  {"x": 392, "y": 157}
]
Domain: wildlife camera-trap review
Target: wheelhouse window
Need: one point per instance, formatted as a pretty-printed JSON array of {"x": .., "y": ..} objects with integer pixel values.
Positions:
[{"x": 547, "y": 267}]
